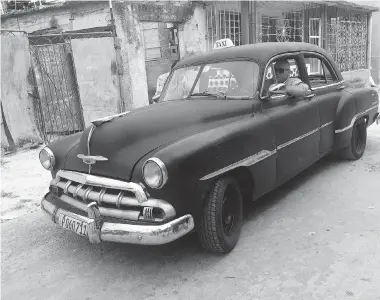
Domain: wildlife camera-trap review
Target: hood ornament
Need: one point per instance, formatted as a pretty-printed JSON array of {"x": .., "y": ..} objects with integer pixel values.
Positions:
[{"x": 91, "y": 159}]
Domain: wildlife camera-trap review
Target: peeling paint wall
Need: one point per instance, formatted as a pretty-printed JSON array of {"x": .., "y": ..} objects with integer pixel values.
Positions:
[
  {"x": 84, "y": 16},
  {"x": 17, "y": 104},
  {"x": 95, "y": 64},
  {"x": 133, "y": 79},
  {"x": 192, "y": 34}
]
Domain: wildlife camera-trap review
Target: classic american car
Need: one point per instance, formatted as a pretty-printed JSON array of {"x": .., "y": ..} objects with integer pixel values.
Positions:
[{"x": 223, "y": 133}]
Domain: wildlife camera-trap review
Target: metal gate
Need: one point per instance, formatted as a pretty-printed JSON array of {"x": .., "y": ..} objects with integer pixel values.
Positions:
[{"x": 57, "y": 103}]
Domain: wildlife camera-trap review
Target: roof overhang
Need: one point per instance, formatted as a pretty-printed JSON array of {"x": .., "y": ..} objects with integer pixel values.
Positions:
[{"x": 349, "y": 4}]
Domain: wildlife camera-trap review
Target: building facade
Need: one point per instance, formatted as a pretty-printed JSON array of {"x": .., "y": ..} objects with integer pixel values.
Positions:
[{"x": 86, "y": 60}]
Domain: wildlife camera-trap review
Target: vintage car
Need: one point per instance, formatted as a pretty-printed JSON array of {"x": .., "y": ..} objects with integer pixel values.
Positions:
[{"x": 225, "y": 131}]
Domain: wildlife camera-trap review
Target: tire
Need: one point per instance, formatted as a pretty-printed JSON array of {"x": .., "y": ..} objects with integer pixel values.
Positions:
[
  {"x": 355, "y": 149},
  {"x": 221, "y": 222}
]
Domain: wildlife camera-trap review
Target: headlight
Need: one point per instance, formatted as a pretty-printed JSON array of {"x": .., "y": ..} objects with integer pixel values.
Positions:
[
  {"x": 47, "y": 158},
  {"x": 155, "y": 173}
]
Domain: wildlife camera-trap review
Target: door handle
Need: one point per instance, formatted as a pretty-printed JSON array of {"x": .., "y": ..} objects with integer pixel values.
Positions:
[
  {"x": 339, "y": 88},
  {"x": 310, "y": 96}
]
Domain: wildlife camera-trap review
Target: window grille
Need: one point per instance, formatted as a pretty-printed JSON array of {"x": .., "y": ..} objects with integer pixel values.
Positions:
[
  {"x": 151, "y": 40},
  {"x": 288, "y": 28},
  {"x": 347, "y": 41},
  {"x": 223, "y": 23}
]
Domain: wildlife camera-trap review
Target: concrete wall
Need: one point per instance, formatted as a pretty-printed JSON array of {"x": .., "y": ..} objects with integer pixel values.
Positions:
[
  {"x": 17, "y": 104},
  {"x": 362, "y": 74},
  {"x": 91, "y": 14},
  {"x": 375, "y": 49},
  {"x": 95, "y": 64},
  {"x": 133, "y": 79},
  {"x": 192, "y": 34}
]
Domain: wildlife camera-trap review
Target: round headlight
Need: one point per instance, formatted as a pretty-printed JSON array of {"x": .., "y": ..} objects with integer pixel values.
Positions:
[
  {"x": 47, "y": 158},
  {"x": 155, "y": 173}
]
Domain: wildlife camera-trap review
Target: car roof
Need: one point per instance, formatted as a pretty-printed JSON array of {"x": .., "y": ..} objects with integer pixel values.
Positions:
[{"x": 260, "y": 52}]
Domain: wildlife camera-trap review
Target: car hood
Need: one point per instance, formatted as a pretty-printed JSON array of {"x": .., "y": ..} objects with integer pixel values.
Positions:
[{"x": 125, "y": 140}]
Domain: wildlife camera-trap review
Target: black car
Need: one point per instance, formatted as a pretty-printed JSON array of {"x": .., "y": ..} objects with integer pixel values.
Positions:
[{"x": 218, "y": 136}]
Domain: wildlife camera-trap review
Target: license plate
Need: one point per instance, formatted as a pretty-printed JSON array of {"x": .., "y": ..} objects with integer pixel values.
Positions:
[{"x": 76, "y": 225}]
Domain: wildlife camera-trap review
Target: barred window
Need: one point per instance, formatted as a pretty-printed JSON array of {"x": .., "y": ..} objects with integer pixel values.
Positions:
[
  {"x": 223, "y": 21},
  {"x": 347, "y": 41}
]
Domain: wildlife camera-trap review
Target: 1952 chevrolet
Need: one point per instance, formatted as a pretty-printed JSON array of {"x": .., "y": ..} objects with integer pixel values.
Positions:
[{"x": 219, "y": 135}]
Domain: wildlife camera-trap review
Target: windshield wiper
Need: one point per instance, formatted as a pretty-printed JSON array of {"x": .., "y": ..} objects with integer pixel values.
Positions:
[{"x": 217, "y": 94}]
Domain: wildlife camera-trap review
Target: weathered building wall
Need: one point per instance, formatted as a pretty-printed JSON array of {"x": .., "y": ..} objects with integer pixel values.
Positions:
[
  {"x": 69, "y": 16},
  {"x": 95, "y": 64},
  {"x": 17, "y": 104},
  {"x": 375, "y": 49},
  {"x": 192, "y": 34},
  {"x": 134, "y": 89}
]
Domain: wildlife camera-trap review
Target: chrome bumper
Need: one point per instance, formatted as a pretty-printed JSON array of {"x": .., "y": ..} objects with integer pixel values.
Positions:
[{"x": 98, "y": 231}]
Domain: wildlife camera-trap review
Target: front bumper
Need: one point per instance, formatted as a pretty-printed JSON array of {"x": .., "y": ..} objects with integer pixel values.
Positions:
[{"x": 98, "y": 231}]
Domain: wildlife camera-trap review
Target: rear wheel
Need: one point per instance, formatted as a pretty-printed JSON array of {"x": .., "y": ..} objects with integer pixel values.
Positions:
[
  {"x": 358, "y": 141},
  {"x": 221, "y": 221}
]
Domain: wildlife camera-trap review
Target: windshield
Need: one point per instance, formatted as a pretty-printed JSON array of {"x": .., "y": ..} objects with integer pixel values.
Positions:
[{"x": 228, "y": 80}]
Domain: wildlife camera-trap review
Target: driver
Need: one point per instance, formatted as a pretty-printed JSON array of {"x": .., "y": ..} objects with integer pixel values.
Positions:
[{"x": 293, "y": 86}]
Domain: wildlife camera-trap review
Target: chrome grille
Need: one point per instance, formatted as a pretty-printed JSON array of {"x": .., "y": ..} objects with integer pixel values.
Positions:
[{"x": 112, "y": 201}]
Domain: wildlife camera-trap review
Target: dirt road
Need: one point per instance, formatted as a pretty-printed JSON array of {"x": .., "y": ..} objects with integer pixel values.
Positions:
[{"x": 318, "y": 237}]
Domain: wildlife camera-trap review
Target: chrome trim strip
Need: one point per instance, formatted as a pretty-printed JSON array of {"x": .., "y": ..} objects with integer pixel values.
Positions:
[
  {"x": 328, "y": 85},
  {"x": 88, "y": 145},
  {"x": 297, "y": 139},
  {"x": 255, "y": 158},
  {"x": 354, "y": 119},
  {"x": 125, "y": 233},
  {"x": 327, "y": 124},
  {"x": 100, "y": 121},
  {"x": 251, "y": 160},
  {"x": 104, "y": 183}
]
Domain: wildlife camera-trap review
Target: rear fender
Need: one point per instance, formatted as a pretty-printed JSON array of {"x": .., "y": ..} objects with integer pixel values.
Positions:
[{"x": 353, "y": 105}]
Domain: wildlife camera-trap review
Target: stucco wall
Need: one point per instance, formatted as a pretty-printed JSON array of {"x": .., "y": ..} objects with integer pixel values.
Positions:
[
  {"x": 362, "y": 74},
  {"x": 132, "y": 56},
  {"x": 375, "y": 49},
  {"x": 84, "y": 16},
  {"x": 17, "y": 104},
  {"x": 95, "y": 64},
  {"x": 192, "y": 34}
]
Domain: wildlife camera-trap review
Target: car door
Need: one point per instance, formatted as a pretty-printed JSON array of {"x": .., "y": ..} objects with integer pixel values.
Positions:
[
  {"x": 327, "y": 87},
  {"x": 295, "y": 122}
]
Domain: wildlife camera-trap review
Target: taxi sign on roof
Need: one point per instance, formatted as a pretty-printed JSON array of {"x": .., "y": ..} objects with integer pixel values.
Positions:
[{"x": 223, "y": 43}]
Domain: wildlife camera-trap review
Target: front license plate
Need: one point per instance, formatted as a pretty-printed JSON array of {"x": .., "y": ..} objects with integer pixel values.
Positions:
[{"x": 76, "y": 225}]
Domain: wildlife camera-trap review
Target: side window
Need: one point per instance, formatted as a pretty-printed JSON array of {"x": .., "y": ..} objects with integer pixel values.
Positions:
[
  {"x": 319, "y": 73},
  {"x": 274, "y": 77}
]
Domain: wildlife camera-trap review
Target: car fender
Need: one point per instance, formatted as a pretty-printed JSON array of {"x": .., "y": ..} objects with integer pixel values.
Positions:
[
  {"x": 195, "y": 162},
  {"x": 354, "y": 104}
]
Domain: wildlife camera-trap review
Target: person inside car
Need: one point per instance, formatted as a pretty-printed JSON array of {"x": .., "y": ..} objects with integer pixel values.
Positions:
[{"x": 293, "y": 86}]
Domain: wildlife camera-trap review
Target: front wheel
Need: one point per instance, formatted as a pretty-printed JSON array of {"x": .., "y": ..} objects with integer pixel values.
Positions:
[
  {"x": 358, "y": 141},
  {"x": 221, "y": 221}
]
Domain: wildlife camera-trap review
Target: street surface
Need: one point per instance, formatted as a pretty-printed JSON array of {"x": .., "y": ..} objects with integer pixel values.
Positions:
[{"x": 317, "y": 237}]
